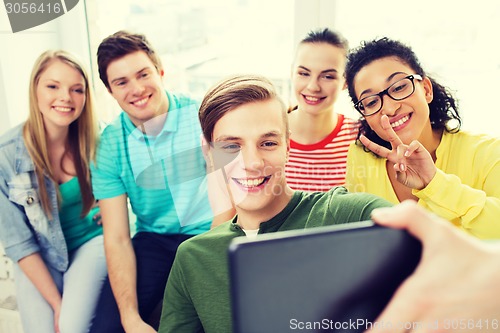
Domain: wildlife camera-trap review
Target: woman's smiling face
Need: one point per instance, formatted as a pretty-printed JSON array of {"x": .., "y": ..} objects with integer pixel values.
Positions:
[
  {"x": 408, "y": 117},
  {"x": 318, "y": 76}
]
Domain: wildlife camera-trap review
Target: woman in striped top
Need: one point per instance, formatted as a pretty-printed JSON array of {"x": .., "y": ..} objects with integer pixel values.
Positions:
[{"x": 320, "y": 137}]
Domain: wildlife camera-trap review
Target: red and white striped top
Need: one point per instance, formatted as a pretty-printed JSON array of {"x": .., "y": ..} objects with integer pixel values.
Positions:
[{"x": 322, "y": 165}]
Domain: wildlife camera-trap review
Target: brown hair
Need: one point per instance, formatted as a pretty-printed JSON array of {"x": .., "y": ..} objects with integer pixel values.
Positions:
[
  {"x": 119, "y": 45},
  {"x": 231, "y": 93},
  {"x": 322, "y": 36}
]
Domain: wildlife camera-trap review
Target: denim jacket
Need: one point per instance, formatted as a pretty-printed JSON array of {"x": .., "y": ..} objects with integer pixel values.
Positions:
[{"x": 24, "y": 227}]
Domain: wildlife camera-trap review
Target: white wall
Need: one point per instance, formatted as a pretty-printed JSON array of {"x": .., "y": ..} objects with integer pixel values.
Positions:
[
  {"x": 5, "y": 123},
  {"x": 311, "y": 14}
]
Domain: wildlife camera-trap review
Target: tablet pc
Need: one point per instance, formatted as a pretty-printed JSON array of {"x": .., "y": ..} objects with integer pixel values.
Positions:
[{"x": 335, "y": 278}]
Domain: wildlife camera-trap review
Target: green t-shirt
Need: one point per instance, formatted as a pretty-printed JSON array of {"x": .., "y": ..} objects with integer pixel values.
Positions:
[
  {"x": 197, "y": 293},
  {"x": 76, "y": 230}
]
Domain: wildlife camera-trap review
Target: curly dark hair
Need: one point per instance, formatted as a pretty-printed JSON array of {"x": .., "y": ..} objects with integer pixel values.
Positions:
[{"x": 443, "y": 107}]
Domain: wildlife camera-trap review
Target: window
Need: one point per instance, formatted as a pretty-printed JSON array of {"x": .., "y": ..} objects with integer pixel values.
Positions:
[{"x": 201, "y": 42}]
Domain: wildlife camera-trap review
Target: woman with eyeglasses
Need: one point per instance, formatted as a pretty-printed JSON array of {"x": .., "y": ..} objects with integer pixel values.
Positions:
[{"x": 410, "y": 145}]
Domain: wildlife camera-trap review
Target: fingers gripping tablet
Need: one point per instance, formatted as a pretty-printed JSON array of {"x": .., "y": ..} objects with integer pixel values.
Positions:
[{"x": 335, "y": 278}]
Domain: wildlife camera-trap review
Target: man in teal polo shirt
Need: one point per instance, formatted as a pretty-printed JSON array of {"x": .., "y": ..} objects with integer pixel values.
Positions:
[{"x": 151, "y": 155}]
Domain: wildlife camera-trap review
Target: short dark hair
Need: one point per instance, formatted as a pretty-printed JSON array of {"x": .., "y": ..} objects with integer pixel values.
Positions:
[
  {"x": 234, "y": 92},
  {"x": 443, "y": 106},
  {"x": 325, "y": 35},
  {"x": 119, "y": 45}
]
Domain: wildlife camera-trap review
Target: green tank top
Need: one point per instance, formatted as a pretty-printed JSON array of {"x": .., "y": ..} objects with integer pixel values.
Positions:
[{"x": 76, "y": 230}]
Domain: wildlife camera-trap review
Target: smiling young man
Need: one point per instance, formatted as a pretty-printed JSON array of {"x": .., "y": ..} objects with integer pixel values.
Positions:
[
  {"x": 150, "y": 156},
  {"x": 245, "y": 123}
]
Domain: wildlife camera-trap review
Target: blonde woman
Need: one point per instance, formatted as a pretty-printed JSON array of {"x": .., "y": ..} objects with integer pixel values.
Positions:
[{"x": 49, "y": 221}]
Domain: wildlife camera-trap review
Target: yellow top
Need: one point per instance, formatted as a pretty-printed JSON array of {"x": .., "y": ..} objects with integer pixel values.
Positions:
[{"x": 465, "y": 189}]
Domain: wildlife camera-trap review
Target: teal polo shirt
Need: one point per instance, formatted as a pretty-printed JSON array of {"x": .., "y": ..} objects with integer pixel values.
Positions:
[{"x": 164, "y": 176}]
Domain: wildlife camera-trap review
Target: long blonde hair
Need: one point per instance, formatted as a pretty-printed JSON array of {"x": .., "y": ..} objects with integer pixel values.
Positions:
[{"x": 82, "y": 134}]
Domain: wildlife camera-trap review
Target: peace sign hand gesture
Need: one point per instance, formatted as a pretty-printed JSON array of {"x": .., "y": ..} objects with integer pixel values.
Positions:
[{"x": 413, "y": 163}]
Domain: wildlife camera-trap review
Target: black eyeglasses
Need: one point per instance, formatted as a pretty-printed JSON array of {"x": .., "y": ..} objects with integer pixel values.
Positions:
[{"x": 398, "y": 91}]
